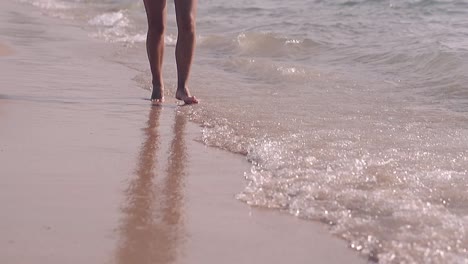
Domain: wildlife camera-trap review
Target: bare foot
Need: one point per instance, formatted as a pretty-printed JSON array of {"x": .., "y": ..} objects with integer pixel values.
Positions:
[
  {"x": 157, "y": 94},
  {"x": 157, "y": 101},
  {"x": 184, "y": 95}
]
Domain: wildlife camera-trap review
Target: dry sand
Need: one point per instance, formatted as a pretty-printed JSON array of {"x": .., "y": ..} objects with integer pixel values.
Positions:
[{"x": 92, "y": 173}]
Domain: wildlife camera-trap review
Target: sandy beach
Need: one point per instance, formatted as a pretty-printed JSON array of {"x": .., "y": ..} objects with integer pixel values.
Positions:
[
  {"x": 5, "y": 50},
  {"x": 92, "y": 173}
]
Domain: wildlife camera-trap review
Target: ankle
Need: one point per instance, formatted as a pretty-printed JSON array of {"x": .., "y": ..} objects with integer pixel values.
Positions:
[{"x": 183, "y": 90}]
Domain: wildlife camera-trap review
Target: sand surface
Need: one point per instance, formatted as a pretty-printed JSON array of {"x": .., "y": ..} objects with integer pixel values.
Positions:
[
  {"x": 92, "y": 173},
  {"x": 5, "y": 50}
]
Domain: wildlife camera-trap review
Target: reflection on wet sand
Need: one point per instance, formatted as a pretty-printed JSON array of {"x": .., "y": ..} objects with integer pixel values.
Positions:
[{"x": 151, "y": 230}]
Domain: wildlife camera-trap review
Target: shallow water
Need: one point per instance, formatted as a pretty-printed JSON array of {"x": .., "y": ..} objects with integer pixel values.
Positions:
[{"x": 353, "y": 113}]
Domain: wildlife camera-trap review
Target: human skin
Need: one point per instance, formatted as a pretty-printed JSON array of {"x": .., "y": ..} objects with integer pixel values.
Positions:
[{"x": 185, "y": 14}]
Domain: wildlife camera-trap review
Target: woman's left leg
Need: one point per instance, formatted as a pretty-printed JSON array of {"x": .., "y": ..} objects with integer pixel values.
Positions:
[{"x": 185, "y": 47}]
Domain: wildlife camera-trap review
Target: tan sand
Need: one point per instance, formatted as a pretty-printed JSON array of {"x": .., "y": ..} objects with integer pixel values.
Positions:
[
  {"x": 5, "y": 50},
  {"x": 91, "y": 173}
]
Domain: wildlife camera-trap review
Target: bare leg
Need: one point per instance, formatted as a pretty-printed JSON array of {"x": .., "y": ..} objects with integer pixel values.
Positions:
[
  {"x": 156, "y": 13},
  {"x": 186, "y": 13}
]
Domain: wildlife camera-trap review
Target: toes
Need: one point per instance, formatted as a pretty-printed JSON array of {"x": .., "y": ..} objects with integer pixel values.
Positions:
[
  {"x": 157, "y": 101},
  {"x": 191, "y": 100}
]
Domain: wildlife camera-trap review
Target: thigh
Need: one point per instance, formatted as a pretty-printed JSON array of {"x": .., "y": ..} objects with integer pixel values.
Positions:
[
  {"x": 186, "y": 12},
  {"x": 156, "y": 12}
]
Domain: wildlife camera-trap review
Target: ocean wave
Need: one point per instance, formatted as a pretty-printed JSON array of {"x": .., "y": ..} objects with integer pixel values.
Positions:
[
  {"x": 50, "y": 4},
  {"x": 116, "y": 27},
  {"x": 268, "y": 71},
  {"x": 263, "y": 56},
  {"x": 271, "y": 45},
  {"x": 110, "y": 19},
  {"x": 360, "y": 182},
  {"x": 260, "y": 44},
  {"x": 118, "y": 35}
]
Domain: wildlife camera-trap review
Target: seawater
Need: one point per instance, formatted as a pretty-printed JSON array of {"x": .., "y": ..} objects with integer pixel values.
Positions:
[{"x": 354, "y": 113}]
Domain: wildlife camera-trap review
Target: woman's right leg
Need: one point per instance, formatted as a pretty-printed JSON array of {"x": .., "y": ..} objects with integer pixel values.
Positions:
[{"x": 156, "y": 13}]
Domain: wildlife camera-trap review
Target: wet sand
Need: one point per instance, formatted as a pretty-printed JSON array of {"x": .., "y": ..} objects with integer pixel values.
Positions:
[
  {"x": 5, "y": 50},
  {"x": 92, "y": 173}
]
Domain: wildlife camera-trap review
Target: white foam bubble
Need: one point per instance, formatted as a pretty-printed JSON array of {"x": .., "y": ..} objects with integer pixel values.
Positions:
[
  {"x": 170, "y": 40},
  {"x": 49, "y": 4},
  {"x": 115, "y": 27},
  {"x": 110, "y": 19}
]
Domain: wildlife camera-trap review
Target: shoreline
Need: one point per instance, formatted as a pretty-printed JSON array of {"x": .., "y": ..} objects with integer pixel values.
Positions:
[{"x": 94, "y": 174}]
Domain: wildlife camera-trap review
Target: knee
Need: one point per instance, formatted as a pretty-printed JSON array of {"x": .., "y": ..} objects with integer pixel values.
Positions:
[
  {"x": 156, "y": 27},
  {"x": 186, "y": 25}
]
